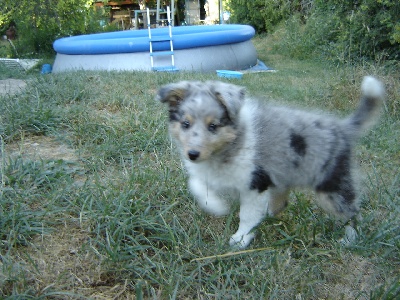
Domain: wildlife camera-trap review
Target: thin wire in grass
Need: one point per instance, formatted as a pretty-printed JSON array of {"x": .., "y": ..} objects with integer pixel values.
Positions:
[
  {"x": 3, "y": 161},
  {"x": 230, "y": 254}
]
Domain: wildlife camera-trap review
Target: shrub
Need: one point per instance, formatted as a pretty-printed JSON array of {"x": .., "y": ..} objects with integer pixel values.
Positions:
[
  {"x": 264, "y": 15},
  {"x": 366, "y": 29},
  {"x": 348, "y": 30},
  {"x": 40, "y": 22}
]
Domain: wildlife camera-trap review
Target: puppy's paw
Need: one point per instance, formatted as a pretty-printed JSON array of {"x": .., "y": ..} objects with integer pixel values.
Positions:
[
  {"x": 240, "y": 241},
  {"x": 220, "y": 212},
  {"x": 350, "y": 236},
  {"x": 217, "y": 208}
]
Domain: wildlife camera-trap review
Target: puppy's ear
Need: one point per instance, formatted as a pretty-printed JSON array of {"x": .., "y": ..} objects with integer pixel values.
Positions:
[
  {"x": 173, "y": 93},
  {"x": 229, "y": 95}
]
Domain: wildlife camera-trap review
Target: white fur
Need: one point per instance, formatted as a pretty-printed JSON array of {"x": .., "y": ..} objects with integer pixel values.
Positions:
[{"x": 372, "y": 87}]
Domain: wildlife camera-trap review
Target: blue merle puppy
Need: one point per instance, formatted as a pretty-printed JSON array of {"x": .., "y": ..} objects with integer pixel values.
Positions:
[{"x": 256, "y": 152}]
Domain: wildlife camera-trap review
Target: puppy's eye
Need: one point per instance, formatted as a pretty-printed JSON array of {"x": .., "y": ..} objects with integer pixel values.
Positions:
[
  {"x": 212, "y": 127},
  {"x": 185, "y": 124}
]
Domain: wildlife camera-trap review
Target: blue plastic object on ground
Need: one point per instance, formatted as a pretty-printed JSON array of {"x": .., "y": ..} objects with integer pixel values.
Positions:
[
  {"x": 229, "y": 74},
  {"x": 46, "y": 69}
]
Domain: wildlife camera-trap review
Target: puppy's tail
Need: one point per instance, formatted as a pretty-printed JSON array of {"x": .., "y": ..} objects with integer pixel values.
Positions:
[{"x": 372, "y": 96}]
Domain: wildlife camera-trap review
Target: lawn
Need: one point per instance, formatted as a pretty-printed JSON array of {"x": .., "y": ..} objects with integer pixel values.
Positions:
[{"x": 94, "y": 203}]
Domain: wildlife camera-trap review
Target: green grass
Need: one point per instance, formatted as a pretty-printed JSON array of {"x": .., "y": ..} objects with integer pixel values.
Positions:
[{"x": 94, "y": 203}]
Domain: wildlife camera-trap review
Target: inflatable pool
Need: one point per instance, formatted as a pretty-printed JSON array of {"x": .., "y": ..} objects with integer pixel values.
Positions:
[{"x": 196, "y": 48}]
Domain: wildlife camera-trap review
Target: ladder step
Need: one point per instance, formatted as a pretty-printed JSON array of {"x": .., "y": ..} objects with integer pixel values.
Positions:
[
  {"x": 165, "y": 69},
  {"x": 160, "y": 39},
  {"x": 162, "y": 53}
]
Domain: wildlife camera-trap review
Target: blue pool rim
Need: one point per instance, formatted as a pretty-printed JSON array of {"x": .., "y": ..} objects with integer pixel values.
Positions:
[{"x": 131, "y": 41}]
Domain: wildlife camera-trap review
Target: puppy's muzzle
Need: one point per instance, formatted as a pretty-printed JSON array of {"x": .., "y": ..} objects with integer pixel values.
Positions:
[{"x": 193, "y": 154}]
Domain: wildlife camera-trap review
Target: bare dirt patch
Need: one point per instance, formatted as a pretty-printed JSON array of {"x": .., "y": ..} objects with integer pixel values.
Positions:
[
  {"x": 61, "y": 260},
  {"x": 352, "y": 278},
  {"x": 11, "y": 86},
  {"x": 64, "y": 262},
  {"x": 41, "y": 147},
  {"x": 67, "y": 262}
]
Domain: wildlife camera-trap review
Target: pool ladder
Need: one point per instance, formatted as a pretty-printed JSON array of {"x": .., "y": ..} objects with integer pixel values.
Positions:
[{"x": 158, "y": 39}]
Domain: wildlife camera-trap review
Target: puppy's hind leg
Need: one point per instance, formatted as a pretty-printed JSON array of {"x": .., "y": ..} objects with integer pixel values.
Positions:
[
  {"x": 253, "y": 208},
  {"x": 278, "y": 201},
  {"x": 344, "y": 206}
]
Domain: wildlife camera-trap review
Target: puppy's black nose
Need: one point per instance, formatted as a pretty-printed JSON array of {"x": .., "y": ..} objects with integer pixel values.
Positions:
[{"x": 193, "y": 154}]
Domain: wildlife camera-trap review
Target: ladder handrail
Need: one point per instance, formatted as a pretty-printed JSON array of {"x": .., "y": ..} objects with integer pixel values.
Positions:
[
  {"x": 170, "y": 38},
  {"x": 151, "y": 44}
]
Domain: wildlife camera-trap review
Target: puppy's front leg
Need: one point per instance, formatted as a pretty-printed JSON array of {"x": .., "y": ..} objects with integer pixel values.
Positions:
[
  {"x": 208, "y": 198},
  {"x": 253, "y": 208}
]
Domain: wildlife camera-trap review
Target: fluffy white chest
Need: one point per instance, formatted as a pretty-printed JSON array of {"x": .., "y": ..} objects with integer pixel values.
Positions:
[{"x": 221, "y": 176}]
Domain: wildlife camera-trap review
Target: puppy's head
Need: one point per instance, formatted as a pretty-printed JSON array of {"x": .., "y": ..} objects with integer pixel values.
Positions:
[{"x": 203, "y": 115}]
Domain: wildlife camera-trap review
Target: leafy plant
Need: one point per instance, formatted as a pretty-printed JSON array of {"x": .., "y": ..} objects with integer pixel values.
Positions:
[
  {"x": 338, "y": 29},
  {"x": 40, "y": 22},
  {"x": 264, "y": 15}
]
